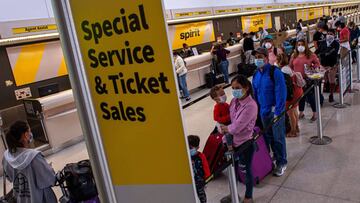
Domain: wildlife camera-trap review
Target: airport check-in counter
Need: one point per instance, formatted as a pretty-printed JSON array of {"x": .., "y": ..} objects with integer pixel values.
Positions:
[
  {"x": 198, "y": 66},
  {"x": 58, "y": 117}
]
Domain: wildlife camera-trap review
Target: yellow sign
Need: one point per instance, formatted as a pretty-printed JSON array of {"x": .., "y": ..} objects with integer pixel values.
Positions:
[
  {"x": 192, "y": 14},
  {"x": 191, "y": 34},
  {"x": 36, "y": 62},
  {"x": 38, "y": 28},
  {"x": 309, "y": 14},
  {"x": 128, "y": 66},
  {"x": 254, "y": 22},
  {"x": 223, "y": 11}
]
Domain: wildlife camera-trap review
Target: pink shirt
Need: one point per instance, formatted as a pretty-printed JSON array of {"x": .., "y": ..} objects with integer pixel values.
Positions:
[
  {"x": 297, "y": 64},
  {"x": 243, "y": 114}
]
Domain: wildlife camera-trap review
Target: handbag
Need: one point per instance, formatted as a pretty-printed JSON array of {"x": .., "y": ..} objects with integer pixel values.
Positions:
[{"x": 8, "y": 197}]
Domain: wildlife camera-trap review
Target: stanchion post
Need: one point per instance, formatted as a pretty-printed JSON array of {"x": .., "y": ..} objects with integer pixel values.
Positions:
[
  {"x": 341, "y": 103},
  {"x": 320, "y": 139},
  {"x": 351, "y": 89},
  {"x": 357, "y": 65},
  {"x": 232, "y": 181},
  {"x": 232, "y": 177}
]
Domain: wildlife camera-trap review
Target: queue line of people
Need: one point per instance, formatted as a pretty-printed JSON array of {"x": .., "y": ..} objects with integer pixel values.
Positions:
[{"x": 267, "y": 98}]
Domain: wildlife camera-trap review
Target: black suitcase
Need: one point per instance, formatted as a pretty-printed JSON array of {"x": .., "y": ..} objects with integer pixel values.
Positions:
[
  {"x": 210, "y": 80},
  {"x": 220, "y": 79},
  {"x": 247, "y": 70}
]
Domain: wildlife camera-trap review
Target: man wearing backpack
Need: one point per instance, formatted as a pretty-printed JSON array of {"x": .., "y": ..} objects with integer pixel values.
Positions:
[{"x": 270, "y": 95}]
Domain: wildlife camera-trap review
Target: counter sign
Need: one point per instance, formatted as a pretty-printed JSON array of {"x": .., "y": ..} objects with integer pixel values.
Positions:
[{"x": 126, "y": 57}]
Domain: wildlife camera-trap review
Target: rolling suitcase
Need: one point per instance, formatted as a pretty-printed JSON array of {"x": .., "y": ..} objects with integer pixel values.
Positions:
[
  {"x": 214, "y": 151},
  {"x": 210, "y": 80},
  {"x": 262, "y": 164}
]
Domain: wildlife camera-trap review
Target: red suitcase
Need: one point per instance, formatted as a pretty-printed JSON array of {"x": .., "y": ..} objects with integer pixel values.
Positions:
[{"x": 214, "y": 151}]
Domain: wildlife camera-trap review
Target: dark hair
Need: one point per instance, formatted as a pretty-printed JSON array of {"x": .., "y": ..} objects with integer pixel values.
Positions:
[
  {"x": 244, "y": 82},
  {"x": 193, "y": 140},
  {"x": 252, "y": 33},
  {"x": 282, "y": 59},
  {"x": 175, "y": 53},
  {"x": 184, "y": 45},
  {"x": 308, "y": 52},
  {"x": 245, "y": 34},
  {"x": 300, "y": 20},
  {"x": 14, "y": 134},
  {"x": 231, "y": 33},
  {"x": 340, "y": 14},
  {"x": 214, "y": 90}
]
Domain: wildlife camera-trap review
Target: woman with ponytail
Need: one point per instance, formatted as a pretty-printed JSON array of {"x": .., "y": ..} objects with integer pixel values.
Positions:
[{"x": 26, "y": 168}]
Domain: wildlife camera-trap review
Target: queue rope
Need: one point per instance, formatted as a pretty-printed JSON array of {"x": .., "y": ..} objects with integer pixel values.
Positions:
[{"x": 256, "y": 135}]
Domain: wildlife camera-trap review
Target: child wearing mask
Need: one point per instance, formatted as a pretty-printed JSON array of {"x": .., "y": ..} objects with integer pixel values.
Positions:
[
  {"x": 221, "y": 110},
  {"x": 200, "y": 167}
]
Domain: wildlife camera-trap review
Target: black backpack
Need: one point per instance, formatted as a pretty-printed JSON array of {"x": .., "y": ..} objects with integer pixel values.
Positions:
[
  {"x": 77, "y": 181},
  {"x": 288, "y": 81}
]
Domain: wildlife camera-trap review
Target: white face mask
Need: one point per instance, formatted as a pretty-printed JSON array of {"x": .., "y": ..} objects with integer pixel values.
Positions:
[
  {"x": 223, "y": 98},
  {"x": 301, "y": 49},
  {"x": 268, "y": 45}
]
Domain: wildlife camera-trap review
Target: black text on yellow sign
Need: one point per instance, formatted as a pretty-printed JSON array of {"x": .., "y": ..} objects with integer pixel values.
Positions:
[
  {"x": 38, "y": 28},
  {"x": 117, "y": 83},
  {"x": 127, "y": 61}
]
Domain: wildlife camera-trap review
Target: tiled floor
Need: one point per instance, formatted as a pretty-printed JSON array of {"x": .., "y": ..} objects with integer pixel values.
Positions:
[{"x": 316, "y": 174}]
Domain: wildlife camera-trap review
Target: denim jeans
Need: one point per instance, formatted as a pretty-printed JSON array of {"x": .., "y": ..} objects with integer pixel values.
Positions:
[
  {"x": 246, "y": 159},
  {"x": 224, "y": 67},
  {"x": 275, "y": 138},
  {"x": 183, "y": 85}
]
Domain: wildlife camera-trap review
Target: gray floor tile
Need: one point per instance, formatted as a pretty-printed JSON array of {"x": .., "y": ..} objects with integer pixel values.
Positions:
[{"x": 291, "y": 196}]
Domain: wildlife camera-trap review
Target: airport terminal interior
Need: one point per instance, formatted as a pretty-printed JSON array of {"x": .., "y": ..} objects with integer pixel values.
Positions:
[{"x": 211, "y": 46}]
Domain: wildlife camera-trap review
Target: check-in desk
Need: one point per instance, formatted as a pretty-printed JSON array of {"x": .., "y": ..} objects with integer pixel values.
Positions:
[
  {"x": 58, "y": 118},
  {"x": 199, "y": 65}
]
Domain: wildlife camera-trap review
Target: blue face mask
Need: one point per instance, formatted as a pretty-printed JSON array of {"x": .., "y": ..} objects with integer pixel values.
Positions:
[
  {"x": 259, "y": 63},
  {"x": 237, "y": 93},
  {"x": 193, "y": 152}
]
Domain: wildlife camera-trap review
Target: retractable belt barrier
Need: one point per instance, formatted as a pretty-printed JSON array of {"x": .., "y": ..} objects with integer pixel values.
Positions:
[
  {"x": 345, "y": 79},
  {"x": 357, "y": 65},
  {"x": 256, "y": 135}
]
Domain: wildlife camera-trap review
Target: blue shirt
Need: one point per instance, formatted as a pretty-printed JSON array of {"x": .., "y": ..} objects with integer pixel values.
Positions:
[{"x": 270, "y": 97}]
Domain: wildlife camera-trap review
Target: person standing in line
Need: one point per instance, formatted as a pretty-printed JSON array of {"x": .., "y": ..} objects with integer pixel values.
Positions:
[
  {"x": 344, "y": 38},
  {"x": 181, "y": 72},
  {"x": 329, "y": 60},
  {"x": 283, "y": 63},
  {"x": 272, "y": 50},
  {"x": 341, "y": 18},
  {"x": 221, "y": 54},
  {"x": 26, "y": 168},
  {"x": 320, "y": 35},
  {"x": 270, "y": 95},
  {"x": 354, "y": 35},
  {"x": 262, "y": 34},
  {"x": 243, "y": 114},
  {"x": 301, "y": 60},
  {"x": 248, "y": 48}
]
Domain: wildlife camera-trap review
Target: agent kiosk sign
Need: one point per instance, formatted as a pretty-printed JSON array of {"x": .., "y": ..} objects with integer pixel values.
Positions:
[{"x": 121, "y": 69}]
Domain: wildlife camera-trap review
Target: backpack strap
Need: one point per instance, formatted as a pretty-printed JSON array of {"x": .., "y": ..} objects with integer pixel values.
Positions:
[{"x": 272, "y": 74}]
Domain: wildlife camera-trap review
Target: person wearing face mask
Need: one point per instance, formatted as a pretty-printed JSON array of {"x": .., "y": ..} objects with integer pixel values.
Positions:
[
  {"x": 243, "y": 114},
  {"x": 272, "y": 50},
  {"x": 303, "y": 59},
  {"x": 200, "y": 167},
  {"x": 329, "y": 60},
  {"x": 221, "y": 111},
  {"x": 26, "y": 168},
  {"x": 271, "y": 95}
]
